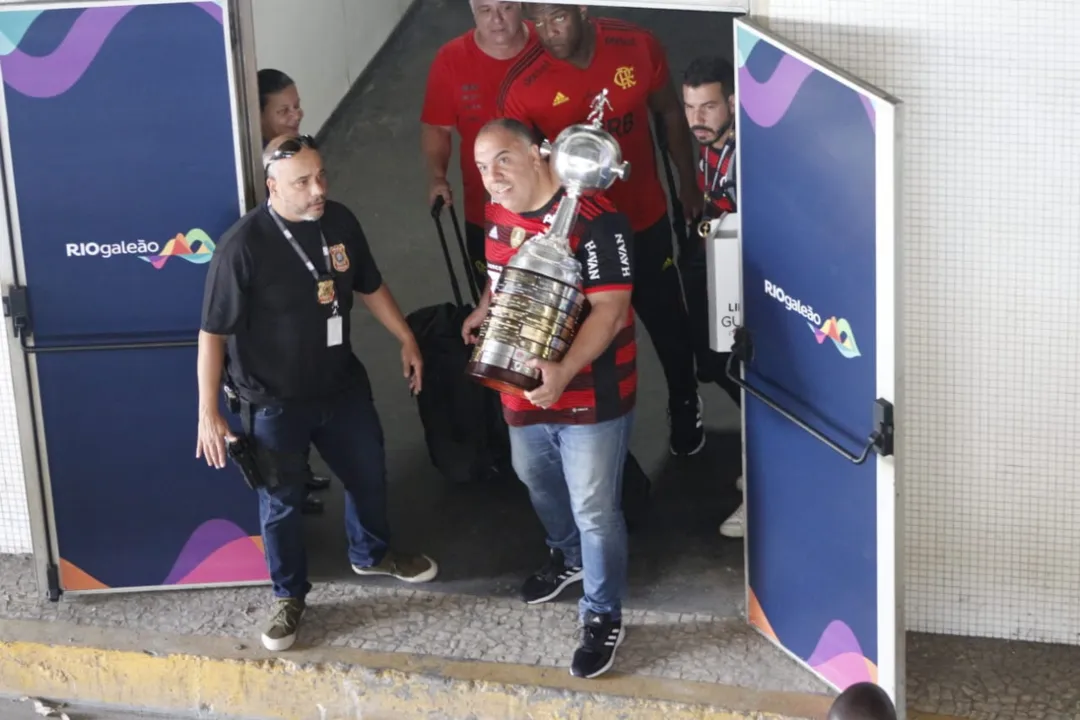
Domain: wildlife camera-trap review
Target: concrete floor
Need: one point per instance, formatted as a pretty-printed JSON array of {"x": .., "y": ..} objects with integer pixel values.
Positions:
[{"x": 687, "y": 586}]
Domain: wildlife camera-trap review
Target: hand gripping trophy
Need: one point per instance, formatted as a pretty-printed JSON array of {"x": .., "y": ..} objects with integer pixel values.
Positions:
[{"x": 537, "y": 305}]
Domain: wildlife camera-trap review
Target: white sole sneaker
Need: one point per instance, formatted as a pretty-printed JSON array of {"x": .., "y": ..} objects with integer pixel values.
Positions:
[
  {"x": 735, "y": 525},
  {"x": 566, "y": 582},
  {"x": 611, "y": 660},
  {"x": 426, "y": 576},
  {"x": 280, "y": 644}
]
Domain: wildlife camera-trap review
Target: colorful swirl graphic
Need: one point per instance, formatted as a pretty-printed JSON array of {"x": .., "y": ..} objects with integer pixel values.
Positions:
[
  {"x": 56, "y": 73},
  {"x": 767, "y": 102},
  {"x": 840, "y": 332},
  {"x": 838, "y": 656},
  {"x": 195, "y": 247},
  {"x": 217, "y": 552}
]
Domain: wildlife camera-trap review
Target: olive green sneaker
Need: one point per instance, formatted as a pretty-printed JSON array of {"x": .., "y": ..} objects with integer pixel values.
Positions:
[
  {"x": 280, "y": 632},
  {"x": 403, "y": 566}
]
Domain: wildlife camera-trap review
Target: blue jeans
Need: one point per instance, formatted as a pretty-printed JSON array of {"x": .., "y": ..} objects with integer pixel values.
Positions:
[
  {"x": 349, "y": 436},
  {"x": 574, "y": 474}
]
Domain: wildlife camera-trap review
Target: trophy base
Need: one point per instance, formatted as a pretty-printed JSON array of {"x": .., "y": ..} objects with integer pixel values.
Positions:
[{"x": 501, "y": 380}]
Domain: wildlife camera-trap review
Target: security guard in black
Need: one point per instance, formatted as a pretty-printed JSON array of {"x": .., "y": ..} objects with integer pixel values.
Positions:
[
  {"x": 278, "y": 298},
  {"x": 262, "y": 295}
]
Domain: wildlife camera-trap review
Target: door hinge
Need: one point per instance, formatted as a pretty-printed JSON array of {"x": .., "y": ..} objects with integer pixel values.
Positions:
[
  {"x": 52, "y": 575},
  {"x": 17, "y": 307},
  {"x": 884, "y": 427}
]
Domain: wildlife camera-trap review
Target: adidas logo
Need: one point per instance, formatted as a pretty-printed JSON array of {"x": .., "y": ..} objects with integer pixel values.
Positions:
[{"x": 559, "y": 100}]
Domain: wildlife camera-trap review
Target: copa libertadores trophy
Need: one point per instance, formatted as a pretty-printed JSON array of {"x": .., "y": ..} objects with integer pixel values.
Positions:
[{"x": 537, "y": 305}]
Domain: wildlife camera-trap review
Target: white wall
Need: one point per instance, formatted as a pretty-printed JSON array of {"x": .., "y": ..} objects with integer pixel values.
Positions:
[
  {"x": 323, "y": 45},
  {"x": 991, "y": 298},
  {"x": 14, "y": 514}
]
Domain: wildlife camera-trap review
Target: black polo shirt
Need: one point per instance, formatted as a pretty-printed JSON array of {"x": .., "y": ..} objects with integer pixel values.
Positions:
[{"x": 261, "y": 295}]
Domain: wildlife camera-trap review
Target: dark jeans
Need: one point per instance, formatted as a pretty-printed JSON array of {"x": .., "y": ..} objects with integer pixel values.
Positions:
[
  {"x": 693, "y": 268},
  {"x": 658, "y": 301},
  {"x": 475, "y": 239},
  {"x": 348, "y": 435}
]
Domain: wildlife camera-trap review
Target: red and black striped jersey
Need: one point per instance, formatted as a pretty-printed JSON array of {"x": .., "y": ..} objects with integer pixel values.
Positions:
[
  {"x": 602, "y": 241},
  {"x": 716, "y": 178}
]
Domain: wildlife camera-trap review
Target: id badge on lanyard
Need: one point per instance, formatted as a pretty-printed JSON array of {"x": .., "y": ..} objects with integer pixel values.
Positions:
[{"x": 326, "y": 291}]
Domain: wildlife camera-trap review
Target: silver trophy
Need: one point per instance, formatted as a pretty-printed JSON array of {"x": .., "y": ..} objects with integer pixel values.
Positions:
[{"x": 537, "y": 305}]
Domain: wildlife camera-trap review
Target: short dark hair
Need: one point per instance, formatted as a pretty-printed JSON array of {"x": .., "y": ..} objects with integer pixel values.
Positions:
[
  {"x": 515, "y": 127},
  {"x": 271, "y": 82},
  {"x": 534, "y": 8},
  {"x": 863, "y": 701},
  {"x": 709, "y": 69}
]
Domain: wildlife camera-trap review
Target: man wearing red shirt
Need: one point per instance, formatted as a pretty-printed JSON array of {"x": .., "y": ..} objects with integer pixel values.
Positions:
[
  {"x": 552, "y": 87},
  {"x": 569, "y": 437},
  {"x": 461, "y": 88},
  {"x": 709, "y": 99}
]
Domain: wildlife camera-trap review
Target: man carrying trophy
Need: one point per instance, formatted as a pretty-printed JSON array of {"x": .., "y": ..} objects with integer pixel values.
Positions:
[
  {"x": 574, "y": 337},
  {"x": 552, "y": 88}
]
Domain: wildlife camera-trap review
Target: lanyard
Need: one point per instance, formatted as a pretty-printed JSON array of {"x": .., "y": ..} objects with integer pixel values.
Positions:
[
  {"x": 326, "y": 291},
  {"x": 719, "y": 176},
  {"x": 720, "y": 180}
]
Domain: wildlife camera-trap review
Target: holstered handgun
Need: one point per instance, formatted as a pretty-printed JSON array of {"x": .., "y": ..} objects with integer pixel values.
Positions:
[{"x": 242, "y": 453}]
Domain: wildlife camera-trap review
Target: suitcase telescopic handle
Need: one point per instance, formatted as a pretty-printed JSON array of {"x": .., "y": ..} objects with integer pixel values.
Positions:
[{"x": 436, "y": 215}]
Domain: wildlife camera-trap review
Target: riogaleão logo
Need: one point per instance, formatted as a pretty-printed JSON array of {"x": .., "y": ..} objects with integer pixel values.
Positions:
[
  {"x": 195, "y": 247},
  {"x": 836, "y": 329},
  {"x": 839, "y": 331}
]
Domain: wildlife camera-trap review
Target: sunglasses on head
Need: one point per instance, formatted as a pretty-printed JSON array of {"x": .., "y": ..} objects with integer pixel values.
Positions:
[{"x": 291, "y": 147}]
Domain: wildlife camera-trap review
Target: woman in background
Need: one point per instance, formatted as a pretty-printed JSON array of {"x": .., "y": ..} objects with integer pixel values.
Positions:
[{"x": 279, "y": 105}]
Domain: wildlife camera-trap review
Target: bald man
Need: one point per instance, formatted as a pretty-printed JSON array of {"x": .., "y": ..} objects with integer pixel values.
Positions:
[
  {"x": 277, "y": 302},
  {"x": 569, "y": 437}
]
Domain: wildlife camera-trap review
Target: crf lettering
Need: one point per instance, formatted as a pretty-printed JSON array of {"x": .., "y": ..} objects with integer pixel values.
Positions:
[{"x": 621, "y": 126}]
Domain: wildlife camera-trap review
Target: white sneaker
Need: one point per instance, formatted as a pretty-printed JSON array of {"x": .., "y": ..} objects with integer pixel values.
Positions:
[{"x": 735, "y": 526}]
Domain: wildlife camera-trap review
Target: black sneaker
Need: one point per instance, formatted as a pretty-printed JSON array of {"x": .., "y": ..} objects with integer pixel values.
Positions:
[
  {"x": 687, "y": 427},
  {"x": 312, "y": 506},
  {"x": 549, "y": 581},
  {"x": 600, "y": 637}
]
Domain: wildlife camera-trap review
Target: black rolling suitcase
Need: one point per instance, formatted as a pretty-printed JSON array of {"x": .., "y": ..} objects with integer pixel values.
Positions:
[{"x": 466, "y": 435}]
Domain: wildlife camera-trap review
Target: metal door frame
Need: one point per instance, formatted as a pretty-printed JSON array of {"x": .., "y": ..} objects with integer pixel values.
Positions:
[
  {"x": 241, "y": 64},
  {"x": 888, "y": 372},
  {"x": 723, "y": 6}
]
